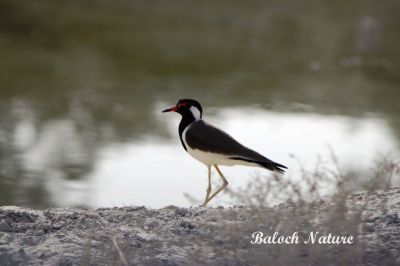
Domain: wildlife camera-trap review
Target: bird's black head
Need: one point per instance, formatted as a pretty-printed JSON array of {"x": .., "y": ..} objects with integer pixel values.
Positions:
[{"x": 187, "y": 107}]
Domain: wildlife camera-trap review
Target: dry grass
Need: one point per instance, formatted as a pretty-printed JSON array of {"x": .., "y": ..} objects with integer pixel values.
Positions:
[{"x": 305, "y": 208}]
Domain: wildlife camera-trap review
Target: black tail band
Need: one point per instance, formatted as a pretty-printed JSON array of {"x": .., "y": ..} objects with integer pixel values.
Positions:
[{"x": 270, "y": 165}]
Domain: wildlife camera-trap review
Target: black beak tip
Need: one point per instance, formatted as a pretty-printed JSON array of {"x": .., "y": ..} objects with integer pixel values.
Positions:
[{"x": 172, "y": 109}]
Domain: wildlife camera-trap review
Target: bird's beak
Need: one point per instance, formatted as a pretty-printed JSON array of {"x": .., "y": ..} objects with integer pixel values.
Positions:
[{"x": 172, "y": 109}]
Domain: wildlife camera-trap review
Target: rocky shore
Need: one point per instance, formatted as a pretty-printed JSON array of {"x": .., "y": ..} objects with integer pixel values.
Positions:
[{"x": 212, "y": 236}]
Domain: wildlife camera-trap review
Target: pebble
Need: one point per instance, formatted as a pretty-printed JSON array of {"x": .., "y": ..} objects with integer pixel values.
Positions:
[{"x": 5, "y": 227}]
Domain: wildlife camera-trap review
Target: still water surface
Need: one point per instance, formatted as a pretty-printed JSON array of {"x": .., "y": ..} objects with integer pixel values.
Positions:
[{"x": 157, "y": 172}]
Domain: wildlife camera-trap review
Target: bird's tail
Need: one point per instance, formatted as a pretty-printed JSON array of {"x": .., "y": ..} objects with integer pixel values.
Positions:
[
  {"x": 273, "y": 166},
  {"x": 266, "y": 163}
]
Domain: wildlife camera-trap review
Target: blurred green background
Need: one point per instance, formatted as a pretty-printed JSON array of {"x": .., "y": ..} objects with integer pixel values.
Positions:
[{"x": 104, "y": 67}]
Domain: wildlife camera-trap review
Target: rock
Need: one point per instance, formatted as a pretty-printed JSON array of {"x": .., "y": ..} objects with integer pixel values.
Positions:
[
  {"x": 5, "y": 227},
  {"x": 187, "y": 225},
  {"x": 6, "y": 239},
  {"x": 393, "y": 219}
]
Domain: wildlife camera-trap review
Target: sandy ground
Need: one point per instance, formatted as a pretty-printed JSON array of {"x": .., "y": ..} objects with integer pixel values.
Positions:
[{"x": 196, "y": 236}]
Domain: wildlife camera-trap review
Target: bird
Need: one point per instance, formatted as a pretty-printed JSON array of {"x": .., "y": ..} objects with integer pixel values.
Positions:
[{"x": 213, "y": 146}]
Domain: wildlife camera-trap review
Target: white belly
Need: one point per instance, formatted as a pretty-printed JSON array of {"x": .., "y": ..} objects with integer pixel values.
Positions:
[{"x": 209, "y": 158}]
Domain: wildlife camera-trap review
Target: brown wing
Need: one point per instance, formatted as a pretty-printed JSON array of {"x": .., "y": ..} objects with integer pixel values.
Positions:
[{"x": 205, "y": 137}]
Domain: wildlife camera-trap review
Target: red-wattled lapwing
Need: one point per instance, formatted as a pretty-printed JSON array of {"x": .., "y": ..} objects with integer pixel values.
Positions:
[{"x": 213, "y": 146}]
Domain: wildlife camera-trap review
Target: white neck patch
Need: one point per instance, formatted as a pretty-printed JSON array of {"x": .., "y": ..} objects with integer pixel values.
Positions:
[{"x": 196, "y": 112}]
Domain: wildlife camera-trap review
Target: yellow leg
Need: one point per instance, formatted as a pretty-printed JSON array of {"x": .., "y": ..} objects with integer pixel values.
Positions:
[
  {"x": 209, "y": 185},
  {"x": 224, "y": 185}
]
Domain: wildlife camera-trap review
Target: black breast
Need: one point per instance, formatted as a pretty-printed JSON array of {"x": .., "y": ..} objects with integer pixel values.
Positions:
[{"x": 187, "y": 119}]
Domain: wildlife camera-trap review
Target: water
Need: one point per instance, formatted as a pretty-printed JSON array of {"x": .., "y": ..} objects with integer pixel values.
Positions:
[
  {"x": 82, "y": 87},
  {"x": 162, "y": 174}
]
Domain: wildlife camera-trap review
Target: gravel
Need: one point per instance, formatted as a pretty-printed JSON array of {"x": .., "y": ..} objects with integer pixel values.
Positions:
[{"x": 213, "y": 236}]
